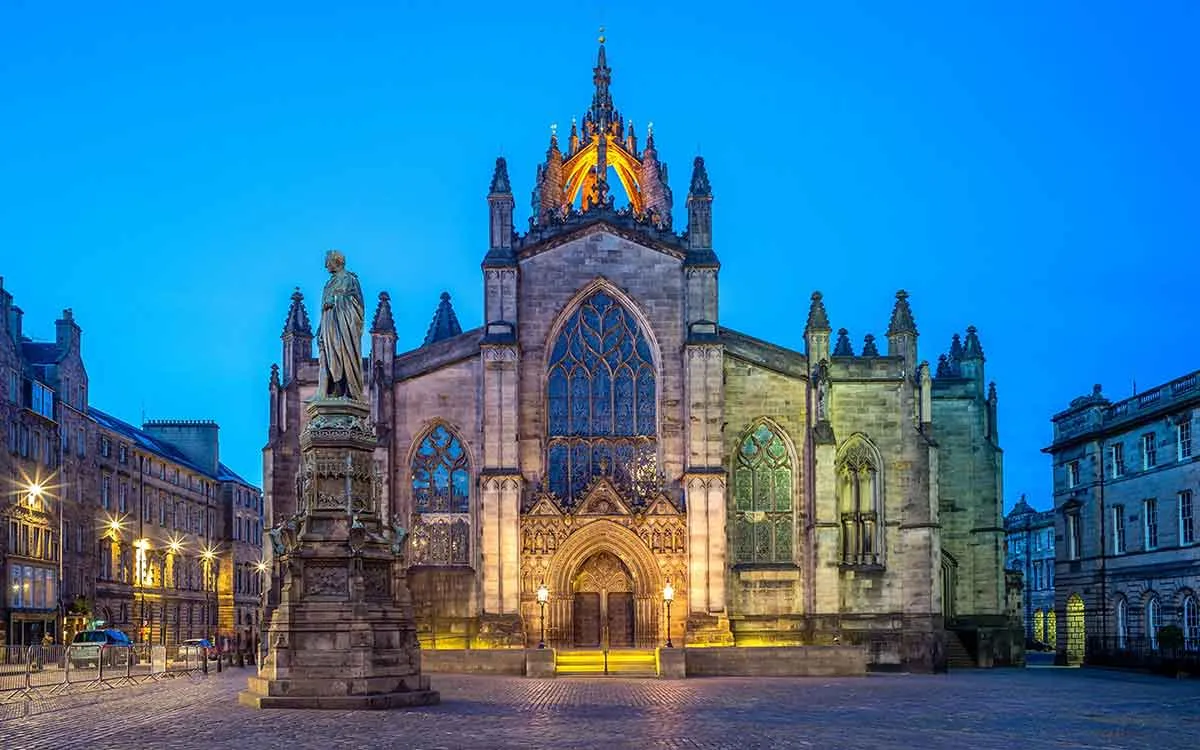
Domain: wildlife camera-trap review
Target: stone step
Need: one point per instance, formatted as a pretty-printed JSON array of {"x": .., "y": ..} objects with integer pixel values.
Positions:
[
  {"x": 621, "y": 662},
  {"x": 957, "y": 656}
]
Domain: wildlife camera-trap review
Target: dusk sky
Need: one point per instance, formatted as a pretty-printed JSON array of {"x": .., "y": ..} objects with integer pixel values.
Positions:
[{"x": 1029, "y": 168}]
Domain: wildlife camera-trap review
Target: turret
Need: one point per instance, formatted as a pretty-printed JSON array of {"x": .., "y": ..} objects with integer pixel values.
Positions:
[
  {"x": 297, "y": 338},
  {"x": 273, "y": 390},
  {"x": 500, "y": 209},
  {"x": 902, "y": 331},
  {"x": 383, "y": 334},
  {"x": 971, "y": 358},
  {"x": 816, "y": 331},
  {"x": 652, "y": 176},
  {"x": 699, "y": 208},
  {"x": 444, "y": 324}
]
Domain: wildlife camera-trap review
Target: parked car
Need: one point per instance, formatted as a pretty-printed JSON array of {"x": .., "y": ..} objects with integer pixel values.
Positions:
[
  {"x": 197, "y": 648},
  {"x": 86, "y": 648}
]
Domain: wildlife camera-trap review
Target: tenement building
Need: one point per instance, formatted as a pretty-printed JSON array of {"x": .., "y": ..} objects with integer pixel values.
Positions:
[
  {"x": 1029, "y": 534},
  {"x": 1126, "y": 479},
  {"x": 106, "y": 523},
  {"x": 603, "y": 438}
]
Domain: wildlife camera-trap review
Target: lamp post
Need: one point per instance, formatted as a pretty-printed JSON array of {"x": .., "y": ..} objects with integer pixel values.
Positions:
[
  {"x": 263, "y": 581},
  {"x": 668, "y": 597},
  {"x": 210, "y": 585},
  {"x": 543, "y": 596}
]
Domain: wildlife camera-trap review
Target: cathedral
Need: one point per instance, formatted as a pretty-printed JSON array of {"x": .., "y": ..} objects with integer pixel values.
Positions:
[{"x": 602, "y": 443}]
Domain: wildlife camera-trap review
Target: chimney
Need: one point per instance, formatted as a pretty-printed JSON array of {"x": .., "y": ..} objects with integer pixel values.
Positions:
[{"x": 196, "y": 439}]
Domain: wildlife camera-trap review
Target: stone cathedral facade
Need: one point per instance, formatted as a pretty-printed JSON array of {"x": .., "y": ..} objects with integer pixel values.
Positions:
[{"x": 603, "y": 434}]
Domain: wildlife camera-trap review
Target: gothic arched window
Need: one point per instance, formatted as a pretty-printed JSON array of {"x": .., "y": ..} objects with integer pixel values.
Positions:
[
  {"x": 860, "y": 502},
  {"x": 1122, "y": 623},
  {"x": 1153, "y": 621},
  {"x": 762, "y": 498},
  {"x": 1191, "y": 623},
  {"x": 601, "y": 396},
  {"x": 441, "y": 486}
]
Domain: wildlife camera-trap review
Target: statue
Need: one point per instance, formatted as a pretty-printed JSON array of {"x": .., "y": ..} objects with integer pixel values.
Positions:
[
  {"x": 822, "y": 392},
  {"x": 339, "y": 337},
  {"x": 398, "y": 535}
]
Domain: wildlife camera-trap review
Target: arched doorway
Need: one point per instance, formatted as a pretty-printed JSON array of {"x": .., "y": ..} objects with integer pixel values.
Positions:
[
  {"x": 1076, "y": 629},
  {"x": 603, "y": 607}
]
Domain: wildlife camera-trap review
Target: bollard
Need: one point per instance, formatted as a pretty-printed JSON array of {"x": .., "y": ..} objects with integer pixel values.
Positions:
[{"x": 241, "y": 659}]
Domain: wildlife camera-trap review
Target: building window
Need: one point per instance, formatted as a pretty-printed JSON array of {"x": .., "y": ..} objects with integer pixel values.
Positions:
[
  {"x": 860, "y": 501},
  {"x": 123, "y": 453},
  {"x": 14, "y": 386},
  {"x": 122, "y": 497},
  {"x": 601, "y": 391},
  {"x": 1187, "y": 518},
  {"x": 1074, "y": 536},
  {"x": 1183, "y": 439},
  {"x": 1118, "y": 529},
  {"x": 1073, "y": 474},
  {"x": 1117, "y": 455},
  {"x": 762, "y": 507},
  {"x": 1191, "y": 623},
  {"x": 1150, "y": 523},
  {"x": 1039, "y": 626},
  {"x": 1153, "y": 621},
  {"x": 1149, "y": 451},
  {"x": 105, "y": 447},
  {"x": 1076, "y": 629},
  {"x": 105, "y": 486},
  {"x": 441, "y": 485},
  {"x": 1122, "y": 622}
]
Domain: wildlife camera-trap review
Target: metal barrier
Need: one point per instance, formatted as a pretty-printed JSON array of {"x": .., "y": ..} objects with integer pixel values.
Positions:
[{"x": 30, "y": 673}]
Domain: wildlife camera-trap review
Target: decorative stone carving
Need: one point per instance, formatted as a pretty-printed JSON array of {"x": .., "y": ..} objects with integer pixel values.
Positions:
[
  {"x": 376, "y": 581},
  {"x": 325, "y": 580}
]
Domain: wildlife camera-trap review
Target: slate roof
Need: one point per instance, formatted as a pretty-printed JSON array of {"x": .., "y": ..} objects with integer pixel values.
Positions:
[{"x": 145, "y": 440}]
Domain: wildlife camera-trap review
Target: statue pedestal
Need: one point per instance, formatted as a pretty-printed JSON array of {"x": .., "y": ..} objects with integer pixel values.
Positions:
[{"x": 342, "y": 634}]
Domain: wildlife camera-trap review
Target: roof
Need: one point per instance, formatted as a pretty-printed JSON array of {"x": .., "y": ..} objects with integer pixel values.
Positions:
[
  {"x": 145, "y": 440},
  {"x": 39, "y": 352},
  {"x": 226, "y": 474}
]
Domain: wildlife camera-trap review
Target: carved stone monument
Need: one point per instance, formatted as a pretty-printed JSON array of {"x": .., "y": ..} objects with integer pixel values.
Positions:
[{"x": 341, "y": 633}]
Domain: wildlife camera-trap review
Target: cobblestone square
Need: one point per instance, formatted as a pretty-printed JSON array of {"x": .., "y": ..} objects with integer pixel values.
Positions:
[{"x": 1033, "y": 708}]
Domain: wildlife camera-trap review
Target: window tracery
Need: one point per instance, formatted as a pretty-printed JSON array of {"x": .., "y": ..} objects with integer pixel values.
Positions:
[
  {"x": 763, "y": 521},
  {"x": 601, "y": 398},
  {"x": 860, "y": 502},
  {"x": 441, "y": 485}
]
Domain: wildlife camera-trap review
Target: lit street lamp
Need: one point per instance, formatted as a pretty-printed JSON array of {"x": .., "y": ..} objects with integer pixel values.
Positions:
[
  {"x": 668, "y": 597},
  {"x": 543, "y": 596}
]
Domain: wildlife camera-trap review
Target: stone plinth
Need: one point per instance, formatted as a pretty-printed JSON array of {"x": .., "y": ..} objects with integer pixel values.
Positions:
[
  {"x": 539, "y": 662},
  {"x": 672, "y": 663},
  {"x": 341, "y": 635}
]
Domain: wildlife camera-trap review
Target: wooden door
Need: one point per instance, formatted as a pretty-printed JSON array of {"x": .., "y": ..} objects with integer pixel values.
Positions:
[
  {"x": 587, "y": 619},
  {"x": 620, "y": 619}
]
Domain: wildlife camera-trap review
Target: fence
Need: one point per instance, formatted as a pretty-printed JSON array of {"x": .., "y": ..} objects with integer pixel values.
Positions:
[
  {"x": 30, "y": 673},
  {"x": 1137, "y": 653}
]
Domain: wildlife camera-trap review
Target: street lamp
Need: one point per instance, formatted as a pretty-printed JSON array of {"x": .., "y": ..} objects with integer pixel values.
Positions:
[
  {"x": 668, "y": 597},
  {"x": 543, "y": 596}
]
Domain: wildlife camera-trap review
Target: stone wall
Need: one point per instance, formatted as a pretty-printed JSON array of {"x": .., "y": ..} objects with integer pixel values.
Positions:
[
  {"x": 805, "y": 661},
  {"x": 473, "y": 661}
]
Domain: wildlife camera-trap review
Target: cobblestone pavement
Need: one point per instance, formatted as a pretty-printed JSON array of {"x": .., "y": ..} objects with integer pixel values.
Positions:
[{"x": 1033, "y": 708}]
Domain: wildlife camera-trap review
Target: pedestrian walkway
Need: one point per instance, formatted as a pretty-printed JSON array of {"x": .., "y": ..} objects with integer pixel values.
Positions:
[{"x": 980, "y": 709}]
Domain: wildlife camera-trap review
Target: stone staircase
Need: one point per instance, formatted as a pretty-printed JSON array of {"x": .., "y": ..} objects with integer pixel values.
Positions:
[
  {"x": 957, "y": 656},
  {"x": 629, "y": 662}
]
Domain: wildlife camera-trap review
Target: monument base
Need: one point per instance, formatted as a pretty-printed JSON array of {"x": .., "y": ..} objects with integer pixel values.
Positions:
[{"x": 379, "y": 701}]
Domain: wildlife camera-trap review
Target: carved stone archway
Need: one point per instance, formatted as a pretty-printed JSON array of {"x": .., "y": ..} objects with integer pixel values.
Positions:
[{"x": 604, "y": 536}]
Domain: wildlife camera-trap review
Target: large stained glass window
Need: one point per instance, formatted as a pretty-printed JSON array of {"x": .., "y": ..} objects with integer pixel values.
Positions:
[
  {"x": 441, "y": 483},
  {"x": 601, "y": 395},
  {"x": 762, "y": 498}
]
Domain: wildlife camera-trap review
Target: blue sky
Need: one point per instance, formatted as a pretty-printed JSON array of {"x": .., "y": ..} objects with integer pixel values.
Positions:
[{"x": 172, "y": 172}]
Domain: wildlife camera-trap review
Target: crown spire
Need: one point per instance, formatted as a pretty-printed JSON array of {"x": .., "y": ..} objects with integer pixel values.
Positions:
[
  {"x": 297, "y": 317},
  {"x": 602, "y": 106},
  {"x": 445, "y": 322},
  {"x": 383, "y": 322}
]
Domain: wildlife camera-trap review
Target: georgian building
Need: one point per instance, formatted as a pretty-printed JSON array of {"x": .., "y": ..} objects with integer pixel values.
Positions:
[
  {"x": 106, "y": 522},
  {"x": 604, "y": 435},
  {"x": 178, "y": 532},
  {"x": 1029, "y": 535},
  {"x": 1126, "y": 482}
]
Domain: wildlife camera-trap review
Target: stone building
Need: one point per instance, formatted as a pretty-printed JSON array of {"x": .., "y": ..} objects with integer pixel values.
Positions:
[
  {"x": 603, "y": 435},
  {"x": 180, "y": 534},
  {"x": 43, "y": 475},
  {"x": 81, "y": 488},
  {"x": 1029, "y": 535},
  {"x": 1126, "y": 481}
]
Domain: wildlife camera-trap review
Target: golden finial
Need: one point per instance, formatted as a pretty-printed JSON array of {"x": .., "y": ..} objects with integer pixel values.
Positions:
[
  {"x": 602, "y": 35},
  {"x": 554, "y": 128}
]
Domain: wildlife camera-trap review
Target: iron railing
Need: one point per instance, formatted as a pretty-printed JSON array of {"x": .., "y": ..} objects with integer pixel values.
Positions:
[
  {"x": 31, "y": 673},
  {"x": 1139, "y": 653}
]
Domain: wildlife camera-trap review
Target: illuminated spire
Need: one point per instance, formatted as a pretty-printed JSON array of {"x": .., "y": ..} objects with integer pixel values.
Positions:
[{"x": 602, "y": 105}]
